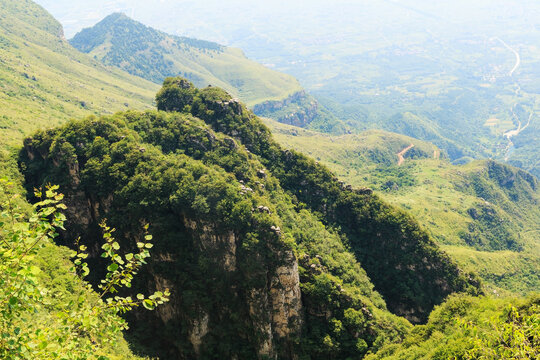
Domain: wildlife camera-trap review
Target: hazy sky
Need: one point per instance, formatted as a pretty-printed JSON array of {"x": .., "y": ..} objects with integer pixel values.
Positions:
[{"x": 204, "y": 18}]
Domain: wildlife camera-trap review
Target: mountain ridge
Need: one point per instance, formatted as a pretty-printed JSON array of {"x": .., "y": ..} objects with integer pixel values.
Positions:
[
  {"x": 154, "y": 55},
  {"x": 484, "y": 214},
  {"x": 234, "y": 214}
]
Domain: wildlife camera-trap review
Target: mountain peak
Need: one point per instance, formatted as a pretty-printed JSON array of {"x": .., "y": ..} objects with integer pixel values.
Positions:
[
  {"x": 119, "y": 18},
  {"x": 155, "y": 55}
]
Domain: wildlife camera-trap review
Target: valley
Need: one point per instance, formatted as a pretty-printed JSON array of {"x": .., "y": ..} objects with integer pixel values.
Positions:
[
  {"x": 467, "y": 208},
  {"x": 436, "y": 78}
]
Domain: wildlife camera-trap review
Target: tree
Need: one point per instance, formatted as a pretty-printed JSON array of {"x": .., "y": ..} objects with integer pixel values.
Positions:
[
  {"x": 81, "y": 328},
  {"x": 176, "y": 94}
]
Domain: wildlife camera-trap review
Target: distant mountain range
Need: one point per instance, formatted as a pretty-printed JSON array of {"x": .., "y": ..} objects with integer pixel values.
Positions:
[{"x": 154, "y": 55}]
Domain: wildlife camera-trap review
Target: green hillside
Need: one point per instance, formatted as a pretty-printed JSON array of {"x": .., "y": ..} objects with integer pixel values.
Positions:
[
  {"x": 484, "y": 214},
  {"x": 151, "y": 54},
  {"x": 234, "y": 214},
  {"x": 473, "y": 328},
  {"x": 44, "y": 81}
]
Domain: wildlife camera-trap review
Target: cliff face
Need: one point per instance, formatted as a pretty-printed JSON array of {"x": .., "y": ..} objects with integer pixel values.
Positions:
[
  {"x": 227, "y": 239},
  {"x": 389, "y": 243},
  {"x": 230, "y": 212},
  {"x": 302, "y": 110},
  {"x": 294, "y": 110},
  {"x": 271, "y": 307}
]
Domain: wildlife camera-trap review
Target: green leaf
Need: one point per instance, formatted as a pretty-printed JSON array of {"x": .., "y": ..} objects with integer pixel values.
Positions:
[
  {"x": 116, "y": 246},
  {"x": 112, "y": 267},
  {"x": 86, "y": 270},
  {"x": 13, "y": 301},
  {"x": 148, "y": 304},
  {"x": 140, "y": 296},
  {"x": 148, "y": 246},
  {"x": 140, "y": 245}
]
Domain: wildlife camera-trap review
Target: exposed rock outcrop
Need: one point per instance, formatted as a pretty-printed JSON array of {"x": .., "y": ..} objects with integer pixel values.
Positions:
[
  {"x": 272, "y": 309},
  {"x": 298, "y": 109}
]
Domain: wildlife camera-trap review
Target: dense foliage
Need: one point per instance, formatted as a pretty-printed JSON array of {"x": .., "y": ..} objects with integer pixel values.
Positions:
[
  {"x": 224, "y": 178},
  {"x": 372, "y": 227},
  {"x": 46, "y": 311},
  {"x": 473, "y": 328},
  {"x": 215, "y": 184}
]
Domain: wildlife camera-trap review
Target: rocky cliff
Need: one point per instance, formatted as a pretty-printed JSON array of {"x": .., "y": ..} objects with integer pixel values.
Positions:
[
  {"x": 231, "y": 213},
  {"x": 302, "y": 110},
  {"x": 271, "y": 308}
]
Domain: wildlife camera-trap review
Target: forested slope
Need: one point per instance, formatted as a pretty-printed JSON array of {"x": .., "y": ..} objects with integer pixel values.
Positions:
[
  {"x": 238, "y": 236},
  {"x": 485, "y": 214}
]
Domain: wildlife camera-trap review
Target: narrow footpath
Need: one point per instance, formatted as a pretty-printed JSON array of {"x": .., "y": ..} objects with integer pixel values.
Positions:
[{"x": 402, "y": 153}]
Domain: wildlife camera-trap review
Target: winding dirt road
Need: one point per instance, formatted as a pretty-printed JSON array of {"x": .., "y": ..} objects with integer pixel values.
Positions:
[
  {"x": 509, "y": 134},
  {"x": 402, "y": 153},
  {"x": 518, "y": 58}
]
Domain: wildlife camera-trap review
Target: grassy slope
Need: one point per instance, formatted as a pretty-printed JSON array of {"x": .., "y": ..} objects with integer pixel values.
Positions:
[
  {"x": 155, "y": 55},
  {"x": 438, "y": 194},
  {"x": 354, "y": 158},
  {"x": 472, "y": 328},
  {"x": 44, "y": 81}
]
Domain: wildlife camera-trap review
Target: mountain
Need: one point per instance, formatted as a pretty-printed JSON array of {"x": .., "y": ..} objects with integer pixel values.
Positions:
[
  {"x": 45, "y": 81},
  {"x": 151, "y": 54},
  {"x": 462, "y": 75},
  {"x": 258, "y": 244},
  {"x": 484, "y": 214},
  {"x": 154, "y": 55}
]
